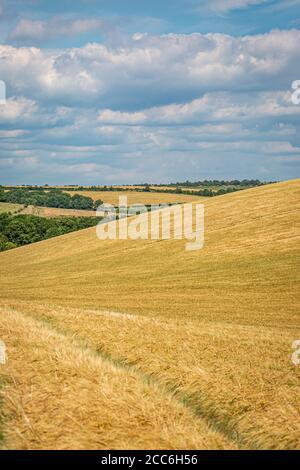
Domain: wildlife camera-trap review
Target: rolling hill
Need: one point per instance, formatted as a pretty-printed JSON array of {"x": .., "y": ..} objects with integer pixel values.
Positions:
[{"x": 201, "y": 342}]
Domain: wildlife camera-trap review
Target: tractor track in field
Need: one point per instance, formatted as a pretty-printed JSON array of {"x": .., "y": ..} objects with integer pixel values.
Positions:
[{"x": 190, "y": 402}]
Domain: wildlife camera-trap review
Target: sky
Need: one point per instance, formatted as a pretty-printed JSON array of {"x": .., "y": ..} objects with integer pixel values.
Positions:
[{"x": 128, "y": 92}]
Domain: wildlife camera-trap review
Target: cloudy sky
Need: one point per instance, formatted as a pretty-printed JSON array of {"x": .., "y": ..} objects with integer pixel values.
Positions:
[{"x": 114, "y": 91}]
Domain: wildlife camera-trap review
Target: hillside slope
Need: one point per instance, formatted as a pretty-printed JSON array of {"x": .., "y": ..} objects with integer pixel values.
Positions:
[
  {"x": 247, "y": 269},
  {"x": 212, "y": 327}
]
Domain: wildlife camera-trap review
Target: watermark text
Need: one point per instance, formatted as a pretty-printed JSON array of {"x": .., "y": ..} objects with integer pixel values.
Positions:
[{"x": 155, "y": 222}]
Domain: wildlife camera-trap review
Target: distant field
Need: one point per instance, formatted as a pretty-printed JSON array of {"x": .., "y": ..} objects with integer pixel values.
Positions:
[
  {"x": 8, "y": 207},
  {"x": 151, "y": 346},
  {"x": 135, "y": 197},
  {"x": 187, "y": 188},
  {"x": 212, "y": 188},
  {"x": 45, "y": 211},
  {"x": 56, "y": 212}
]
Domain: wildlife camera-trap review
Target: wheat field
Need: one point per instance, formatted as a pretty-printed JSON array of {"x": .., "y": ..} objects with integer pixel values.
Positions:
[
  {"x": 136, "y": 197},
  {"x": 139, "y": 344},
  {"x": 50, "y": 212},
  {"x": 8, "y": 207},
  {"x": 47, "y": 212}
]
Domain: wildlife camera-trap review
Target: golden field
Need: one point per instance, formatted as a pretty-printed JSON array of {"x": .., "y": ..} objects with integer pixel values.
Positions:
[
  {"x": 141, "y": 344},
  {"x": 136, "y": 197},
  {"x": 8, "y": 207},
  {"x": 45, "y": 211},
  {"x": 49, "y": 212}
]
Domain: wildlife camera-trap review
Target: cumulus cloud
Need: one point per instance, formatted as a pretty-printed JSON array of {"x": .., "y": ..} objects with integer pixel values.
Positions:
[
  {"x": 219, "y": 106},
  {"x": 17, "y": 109},
  {"x": 153, "y": 70},
  {"x": 164, "y": 106}
]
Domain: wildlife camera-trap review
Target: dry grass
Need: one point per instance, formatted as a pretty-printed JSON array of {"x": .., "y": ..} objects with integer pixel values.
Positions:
[
  {"x": 214, "y": 326},
  {"x": 135, "y": 197},
  {"x": 240, "y": 379},
  {"x": 61, "y": 395},
  {"x": 246, "y": 273}
]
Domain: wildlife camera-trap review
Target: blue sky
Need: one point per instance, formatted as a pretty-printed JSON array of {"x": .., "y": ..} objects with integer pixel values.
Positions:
[{"x": 109, "y": 91}]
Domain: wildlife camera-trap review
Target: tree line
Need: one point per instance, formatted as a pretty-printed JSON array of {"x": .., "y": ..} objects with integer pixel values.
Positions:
[
  {"x": 19, "y": 230},
  {"x": 52, "y": 198},
  {"x": 182, "y": 188},
  {"x": 244, "y": 183}
]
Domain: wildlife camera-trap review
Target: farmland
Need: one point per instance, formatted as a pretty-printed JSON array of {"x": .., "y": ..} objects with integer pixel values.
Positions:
[
  {"x": 8, "y": 207},
  {"x": 57, "y": 212},
  {"x": 44, "y": 211},
  {"x": 136, "y": 197},
  {"x": 158, "y": 347}
]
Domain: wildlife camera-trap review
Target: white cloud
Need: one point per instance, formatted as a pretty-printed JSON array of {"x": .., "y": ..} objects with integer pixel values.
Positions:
[
  {"x": 17, "y": 109},
  {"x": 10, "y": 134},
  {"x": 117, "y": 117},
  {"x": 37, "y": 30},
  {"x": 223, "y": 6},
  {"x": 154, "y": 70},
  {"x": 161, "y": 106},
  {"x": 220, "y": 106}
]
